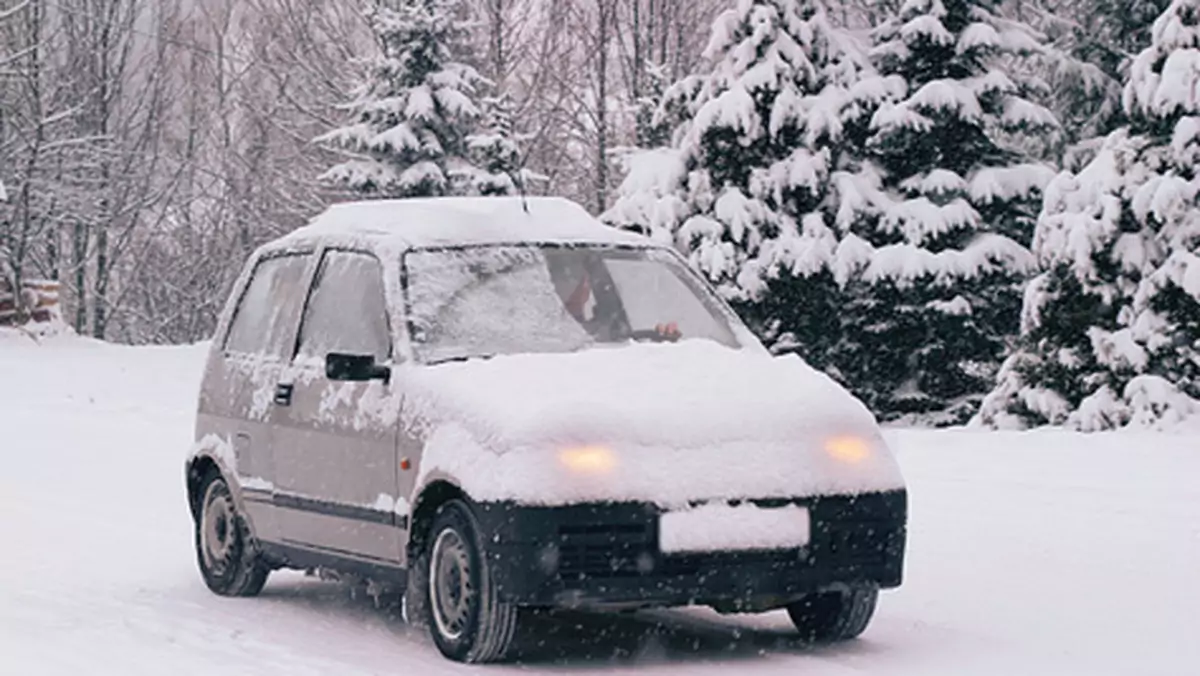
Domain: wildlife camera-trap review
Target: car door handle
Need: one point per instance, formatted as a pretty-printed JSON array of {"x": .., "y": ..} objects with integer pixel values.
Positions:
[{"x": 283, "y": 394}]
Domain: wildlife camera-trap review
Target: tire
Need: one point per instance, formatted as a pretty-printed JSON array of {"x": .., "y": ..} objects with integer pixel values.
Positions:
[
  {"x": 834, "y": 615},
  {"x": 468, "y": 621},
  {"x": 225, "y": 552}
]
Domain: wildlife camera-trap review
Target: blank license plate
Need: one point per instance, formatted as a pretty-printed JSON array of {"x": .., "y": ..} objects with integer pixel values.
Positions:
[{"x": 721, "y": 527}]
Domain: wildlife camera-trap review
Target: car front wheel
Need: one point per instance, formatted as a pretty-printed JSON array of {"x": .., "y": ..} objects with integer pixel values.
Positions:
[
  {"x": 834, "y": 615},
  {"x": 467, "y": 619},
  {"x": 224, "y": 549}
]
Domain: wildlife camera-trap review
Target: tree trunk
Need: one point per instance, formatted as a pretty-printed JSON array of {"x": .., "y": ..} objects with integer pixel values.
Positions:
[
  {"x": 497, "y": 41},
  {"x": 103, "y": 92},
  {"x": 79, "y": 242},
  {"x": 602, "y": 107},
  {"x": 664, "y": 42},
  {"x": 100, "y": 297},
  {"x": 49, "y": 230},
  {"x": 638, "y": 58},
  {"x": 19, "y": 248},
  {"x": 52, "y": 264}
]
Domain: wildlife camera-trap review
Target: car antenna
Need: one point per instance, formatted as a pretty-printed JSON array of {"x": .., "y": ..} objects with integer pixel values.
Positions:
[
  {"x": 524, "y": 200},
  {"x": 515, "y": 175}
]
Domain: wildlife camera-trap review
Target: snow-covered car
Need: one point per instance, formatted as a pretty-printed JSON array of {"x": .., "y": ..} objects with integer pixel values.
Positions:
[{"x": 496, "y": 405}]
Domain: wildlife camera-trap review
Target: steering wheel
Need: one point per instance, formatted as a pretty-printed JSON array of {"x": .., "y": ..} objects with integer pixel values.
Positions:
[{"x": 652, "y": 336}]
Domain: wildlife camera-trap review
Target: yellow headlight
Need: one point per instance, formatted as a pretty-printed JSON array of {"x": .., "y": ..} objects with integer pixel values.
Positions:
[
  {"x": 848, "y": 448},
  {"x": 588, "y": 459}
]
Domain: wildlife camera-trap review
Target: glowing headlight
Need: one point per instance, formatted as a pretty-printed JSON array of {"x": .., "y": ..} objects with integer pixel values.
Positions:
[
  {"x": 588, "y": 459},
  {"x": 848, "y": 448}
]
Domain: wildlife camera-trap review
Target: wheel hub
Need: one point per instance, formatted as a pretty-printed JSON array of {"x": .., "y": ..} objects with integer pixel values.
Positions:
[
  {"x": 218, "y": 534},
  {"x": 450, "y": 590}
]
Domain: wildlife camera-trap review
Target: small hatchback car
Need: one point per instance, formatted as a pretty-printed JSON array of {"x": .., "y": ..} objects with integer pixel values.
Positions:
[{"x": 494, "y": 405}]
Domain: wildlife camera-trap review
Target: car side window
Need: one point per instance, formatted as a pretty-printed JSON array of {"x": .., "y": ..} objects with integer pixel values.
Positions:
[
  {"x": 265, "y": 314},
  {"x": 346, "y": 311}
]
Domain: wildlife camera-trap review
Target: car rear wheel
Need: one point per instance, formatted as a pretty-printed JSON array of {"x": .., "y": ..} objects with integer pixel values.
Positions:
[
  {"x": 466, "y": 617},
  {"x": 229, "y": 563},
  {"x": 834, "y": 615}
]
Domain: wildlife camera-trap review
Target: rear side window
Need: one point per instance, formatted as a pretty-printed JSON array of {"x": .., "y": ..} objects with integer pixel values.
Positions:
[
  {"x": 266, "y": 313},
  {"x": 347, "y": 312}
]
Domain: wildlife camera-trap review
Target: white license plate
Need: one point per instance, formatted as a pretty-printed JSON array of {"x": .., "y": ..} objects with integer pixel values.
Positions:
[{"x": 721, "y": 527}]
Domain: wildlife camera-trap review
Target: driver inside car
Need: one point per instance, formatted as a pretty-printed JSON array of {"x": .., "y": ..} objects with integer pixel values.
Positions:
[{"x": 573, "y": 281}]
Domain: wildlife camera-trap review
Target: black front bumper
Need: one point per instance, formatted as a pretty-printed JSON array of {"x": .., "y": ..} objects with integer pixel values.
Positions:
[{"x": 608, "y": 555}]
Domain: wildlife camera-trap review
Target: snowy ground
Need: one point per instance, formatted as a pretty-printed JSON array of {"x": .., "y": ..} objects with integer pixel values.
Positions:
[{"x": 1039, "y": 553}]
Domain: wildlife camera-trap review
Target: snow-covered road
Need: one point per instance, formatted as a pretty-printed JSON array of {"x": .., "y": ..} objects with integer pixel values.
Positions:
[{"x": 1035, "y": 553}]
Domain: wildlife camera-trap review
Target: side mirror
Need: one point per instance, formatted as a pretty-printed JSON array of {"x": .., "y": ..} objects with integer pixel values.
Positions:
[{"x": 355, "y": 368}]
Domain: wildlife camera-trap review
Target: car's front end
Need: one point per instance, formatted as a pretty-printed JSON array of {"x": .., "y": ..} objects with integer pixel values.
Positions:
[
  {"x": 610, "y": 554},
  {"x": 613, "y": 437},
  {"x": 723, "y": 486}
]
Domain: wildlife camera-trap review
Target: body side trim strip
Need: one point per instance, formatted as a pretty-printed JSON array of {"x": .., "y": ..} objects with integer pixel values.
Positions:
[{"x": 338, "y": 510}]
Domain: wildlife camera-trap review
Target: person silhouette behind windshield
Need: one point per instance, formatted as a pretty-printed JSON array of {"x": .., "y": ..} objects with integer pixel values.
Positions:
[{"x": 574, "y": 284}]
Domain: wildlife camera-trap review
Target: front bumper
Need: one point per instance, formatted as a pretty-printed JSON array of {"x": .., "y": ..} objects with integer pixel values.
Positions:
[{"x": 608, "y": 555}]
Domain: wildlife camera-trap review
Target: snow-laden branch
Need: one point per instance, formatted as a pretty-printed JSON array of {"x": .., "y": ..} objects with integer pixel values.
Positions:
[{"x": 11, "y": 11}]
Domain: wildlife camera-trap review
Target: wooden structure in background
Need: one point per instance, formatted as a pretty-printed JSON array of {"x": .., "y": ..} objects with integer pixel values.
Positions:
[{"x": 39, "y": 302}]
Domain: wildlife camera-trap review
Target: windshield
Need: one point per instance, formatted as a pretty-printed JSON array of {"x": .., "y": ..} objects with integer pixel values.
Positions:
[{"x": 483, "y": 301}]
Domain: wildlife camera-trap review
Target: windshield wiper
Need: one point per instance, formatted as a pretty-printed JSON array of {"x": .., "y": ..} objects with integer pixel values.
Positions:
[{"x": 464, "y": 357}]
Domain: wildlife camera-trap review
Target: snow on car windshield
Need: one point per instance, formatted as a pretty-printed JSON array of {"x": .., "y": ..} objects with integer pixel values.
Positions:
[{"x": 484, "y": 301}]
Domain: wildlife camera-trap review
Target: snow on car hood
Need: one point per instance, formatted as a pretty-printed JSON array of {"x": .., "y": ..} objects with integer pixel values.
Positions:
[
  {"x": 666, "y": 423},
  {"x": 687, "y": 394}
]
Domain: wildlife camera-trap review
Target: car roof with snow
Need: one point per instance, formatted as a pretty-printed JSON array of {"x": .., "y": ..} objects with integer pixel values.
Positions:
[{"x": 395, "y": 226}]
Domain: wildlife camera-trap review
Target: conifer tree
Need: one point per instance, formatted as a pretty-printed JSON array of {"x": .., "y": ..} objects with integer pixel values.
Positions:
[
  {"x": 413, "y": 116},
  {"x": 495, "y": 152},
  {"x": 653, "y": 130},
  {"x": 1111, "y": 333},
  {"x": 744, "y": 187},
  {"x": 943, "y": 210},
  {"x": 1100, "y": 38}
]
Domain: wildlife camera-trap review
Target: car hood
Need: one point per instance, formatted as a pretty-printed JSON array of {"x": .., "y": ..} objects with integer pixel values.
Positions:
[
  {"x": 681, "y": 395},
  {"x": 662, "y": 408}
]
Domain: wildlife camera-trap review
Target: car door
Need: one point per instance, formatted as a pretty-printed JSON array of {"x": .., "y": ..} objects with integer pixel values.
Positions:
[
  {"x": 335, "y": 442},
  {"x": 235, "y": 397}
]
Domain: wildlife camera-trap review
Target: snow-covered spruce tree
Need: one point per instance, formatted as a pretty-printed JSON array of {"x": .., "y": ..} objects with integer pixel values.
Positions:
[
  {"x": 940, "y": 217},
  {"x": 1076, "y": 301},
  {"x": 653, "y": 130},
  {"x": 495, "y": 152},
  {"x": 413, "y": 116},
  {"x": 1098, "y": 39},
  {"x": 1163, "y": 103},
  {"x": 744, "y": 187},
  {"x": 1111, "y": 331}
]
